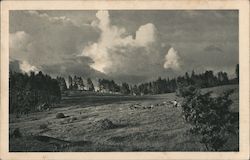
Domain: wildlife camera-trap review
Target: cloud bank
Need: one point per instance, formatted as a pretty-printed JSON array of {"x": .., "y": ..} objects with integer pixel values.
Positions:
[
  {"x": 133, "y": 46},
  {"x": 39, "y": 41},
  {"x": 117, "y": 52}
]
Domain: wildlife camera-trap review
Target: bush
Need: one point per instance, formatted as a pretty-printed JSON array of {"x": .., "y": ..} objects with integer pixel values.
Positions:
[
  {"x": 15, "y": 133},
  {"x": 104, "y": 124},
  {"x": 43, "y": 126},
  {"x": 60, "y": 115},
  {"x": 210, "y": 116}
]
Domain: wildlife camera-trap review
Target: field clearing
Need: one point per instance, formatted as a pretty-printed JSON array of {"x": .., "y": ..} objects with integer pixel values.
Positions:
[{"x": 160, "y": 128}]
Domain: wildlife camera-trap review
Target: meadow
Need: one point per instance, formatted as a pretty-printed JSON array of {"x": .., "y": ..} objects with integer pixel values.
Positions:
[{"x": 105, "y": 122}]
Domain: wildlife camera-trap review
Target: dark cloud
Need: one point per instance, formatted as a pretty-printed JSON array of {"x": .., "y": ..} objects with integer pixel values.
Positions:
[
  {"x": 213, "y": 48},
  {"x": 14, "y": 66},
  {"x": 73, "y": 66},
  {"x": 49, "y": 40}
]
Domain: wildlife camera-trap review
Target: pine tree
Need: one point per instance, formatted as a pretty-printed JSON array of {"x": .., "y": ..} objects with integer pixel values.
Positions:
[
  {"x": 125, "y": 88},
  {"x": 70, "y": 83},
  {"x": 90, "y": 85},
  {"x": 62, "y": 83},
  {"x": 237, "y": 72},
  {"x": 80, "y": 83}
]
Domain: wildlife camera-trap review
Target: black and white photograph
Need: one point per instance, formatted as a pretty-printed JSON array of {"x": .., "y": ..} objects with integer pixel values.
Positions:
[{"x": 124, "y": 80}]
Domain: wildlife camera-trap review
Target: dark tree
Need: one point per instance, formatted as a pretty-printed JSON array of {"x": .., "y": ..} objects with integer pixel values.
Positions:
[
  {"x": 108, "y": 86},
  {"x": 70, "y": 83},
  {"x": 90, "y": 85},
  {"x": 223, "y": 78},
  {"x": 135, "y": 90},
  {"x": 62, "y": 83},
  {"x": 27, "y": 92},
  {"x": 80, "y": 83},
  {"x": 77, "y": 83},
  {"x": 237, "y": 71},
  {"x": 125, "y": 88}
]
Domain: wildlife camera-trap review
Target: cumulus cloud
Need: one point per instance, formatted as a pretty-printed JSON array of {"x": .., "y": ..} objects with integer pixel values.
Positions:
[
  {"x": 145, "y": 34},
  {"x": 110, "y": 53},
  {"x": 173, "y": 60},
  {"x": 116, "y": 52},
  {"x": 128, "y": 45}
]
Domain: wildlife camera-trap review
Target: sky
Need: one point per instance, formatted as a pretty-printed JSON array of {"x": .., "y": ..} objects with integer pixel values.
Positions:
[{"x": 125, "y": 45}]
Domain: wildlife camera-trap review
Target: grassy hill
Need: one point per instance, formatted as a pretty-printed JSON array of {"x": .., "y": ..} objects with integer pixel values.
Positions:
[{"x": 113, "y": 123}]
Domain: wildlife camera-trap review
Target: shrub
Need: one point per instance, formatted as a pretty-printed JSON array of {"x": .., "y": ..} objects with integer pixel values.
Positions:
[
  {"x": 43, "y": 126},
  {"x": 15, "y": 133},
  {"x": 60, "y": 115},
  {"x": 105, "y": 124},
  {"x": 210, "y": 116}
]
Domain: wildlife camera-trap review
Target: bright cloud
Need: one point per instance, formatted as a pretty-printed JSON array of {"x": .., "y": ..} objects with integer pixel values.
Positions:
[
  {"x": 172, "y": 60},
  {"x": 26, "y": 67},
  {"x": 113, "y": 37},
  {"x": 115, "y": 52},
  {"x": 124, "y": 44},
  {"x": 20, "y": 51},
  {"x": 146, "y": 34},
  {"x": 22, "y": 66}
]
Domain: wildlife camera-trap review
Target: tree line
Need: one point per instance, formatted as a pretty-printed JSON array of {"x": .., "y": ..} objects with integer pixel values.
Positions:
[
  {"x": 159, "y": 86},
  {"x": 76, "y": 83},
  {"x": 27, "y": 92},
  {"x": 163, "y": 85}
]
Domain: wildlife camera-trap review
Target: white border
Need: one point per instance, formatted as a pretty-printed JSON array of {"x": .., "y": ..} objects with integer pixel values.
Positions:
[{"x": 241, "y": 5}]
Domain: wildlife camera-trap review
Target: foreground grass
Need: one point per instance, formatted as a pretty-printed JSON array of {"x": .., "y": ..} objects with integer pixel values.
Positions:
[{"x": 135, "y": 129}]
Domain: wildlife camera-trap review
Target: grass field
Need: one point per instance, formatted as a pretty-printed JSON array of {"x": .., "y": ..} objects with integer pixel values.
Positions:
[{"x": 109, "y": 123}]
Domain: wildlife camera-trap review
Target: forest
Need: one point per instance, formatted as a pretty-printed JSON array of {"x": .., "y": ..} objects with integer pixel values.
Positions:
[
  {"x": 27, "y": 92},
  {"x": 159, "y": 86}
]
